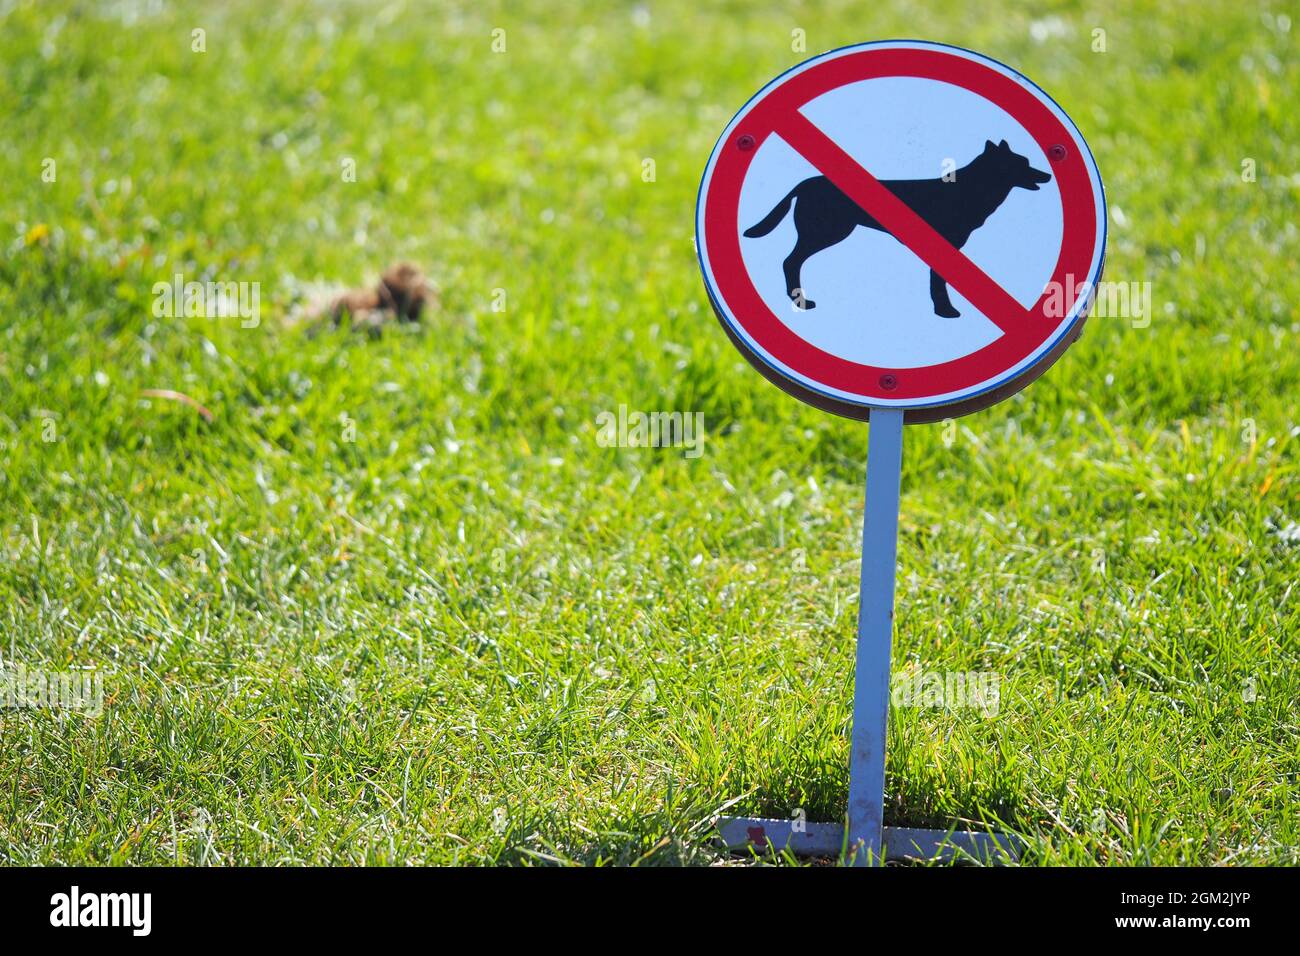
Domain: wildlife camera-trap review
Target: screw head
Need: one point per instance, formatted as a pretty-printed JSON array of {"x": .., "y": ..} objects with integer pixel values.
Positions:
[
  {"x": 888, "y": 382},
  {"x": 746, "y": 143},
  {"x": 1057, "y": 153}
]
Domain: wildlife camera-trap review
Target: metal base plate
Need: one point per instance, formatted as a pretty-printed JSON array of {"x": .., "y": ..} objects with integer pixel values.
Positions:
[{"x": 827, "y": 839}]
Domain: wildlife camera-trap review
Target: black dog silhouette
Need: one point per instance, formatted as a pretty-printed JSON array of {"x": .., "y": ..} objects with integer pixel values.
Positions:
[{"x": 954, "y": 208}]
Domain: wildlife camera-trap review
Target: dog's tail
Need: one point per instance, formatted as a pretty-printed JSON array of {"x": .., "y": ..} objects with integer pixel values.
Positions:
[{"x": 770, "y": 221}]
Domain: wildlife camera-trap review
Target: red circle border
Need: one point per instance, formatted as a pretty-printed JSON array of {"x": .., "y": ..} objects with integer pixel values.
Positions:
[{"x": 736, "y": 289}]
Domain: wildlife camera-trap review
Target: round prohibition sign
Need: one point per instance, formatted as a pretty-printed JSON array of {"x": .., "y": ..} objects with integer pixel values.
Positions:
[{"x": 1029, "y": 329}]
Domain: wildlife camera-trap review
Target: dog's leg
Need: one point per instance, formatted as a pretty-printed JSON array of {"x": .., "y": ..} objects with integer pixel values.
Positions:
[
  {"x": 823, "y": 217},
  {"x": 939, "y": 296},
  {"x": 793, "y": 265}
]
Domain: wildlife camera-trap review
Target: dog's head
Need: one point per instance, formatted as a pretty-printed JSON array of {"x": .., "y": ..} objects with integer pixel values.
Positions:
[{"x": 1011, "y": 167}]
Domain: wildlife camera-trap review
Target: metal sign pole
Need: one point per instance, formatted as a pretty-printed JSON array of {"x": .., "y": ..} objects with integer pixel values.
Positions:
[
  {"x": 875, "y": 637},
  {"x": 867, "y": 841}
]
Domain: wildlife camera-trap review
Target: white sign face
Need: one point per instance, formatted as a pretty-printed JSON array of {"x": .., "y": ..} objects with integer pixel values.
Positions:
[{"x": 900, "y": 225}]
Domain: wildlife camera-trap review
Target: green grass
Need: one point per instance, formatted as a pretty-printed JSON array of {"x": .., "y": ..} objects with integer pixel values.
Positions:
[{"x": 473, "y": 635}]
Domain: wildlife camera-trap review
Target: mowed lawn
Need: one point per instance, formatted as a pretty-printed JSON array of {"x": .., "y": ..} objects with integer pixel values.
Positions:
[{"x": 394, "y": 602}]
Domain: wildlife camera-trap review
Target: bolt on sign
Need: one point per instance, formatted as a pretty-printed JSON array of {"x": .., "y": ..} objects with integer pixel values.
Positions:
[{"x": 899, "y": 231}]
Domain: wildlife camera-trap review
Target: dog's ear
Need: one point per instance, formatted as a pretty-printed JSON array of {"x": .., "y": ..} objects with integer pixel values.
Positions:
[
  {"x": 988, "y": 146},
  {"x": 1004, "y": 147}
]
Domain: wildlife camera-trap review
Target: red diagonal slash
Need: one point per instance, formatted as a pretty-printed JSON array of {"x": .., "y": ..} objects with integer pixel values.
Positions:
[{"x": 902, "y": 223}]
